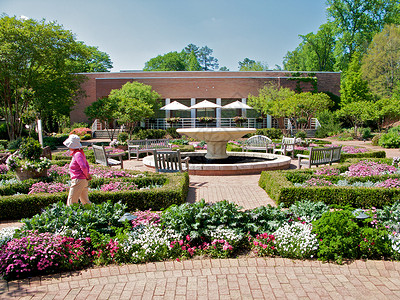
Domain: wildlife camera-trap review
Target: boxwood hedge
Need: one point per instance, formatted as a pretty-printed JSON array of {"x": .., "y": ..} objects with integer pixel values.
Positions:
[
  {"x": 279, "y": 186},
  {"x": 173, "y": 191}
]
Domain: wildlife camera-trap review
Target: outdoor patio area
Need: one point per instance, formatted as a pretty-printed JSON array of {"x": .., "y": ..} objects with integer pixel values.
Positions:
[{"x": 240, "y": 278}]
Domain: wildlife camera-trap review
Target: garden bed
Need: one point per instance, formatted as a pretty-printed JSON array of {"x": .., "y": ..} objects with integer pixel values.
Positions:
[
  {"x": 136, "y": 190},
  {"x": 65, "y": 238},
  {"x": 333, "y": 189}
]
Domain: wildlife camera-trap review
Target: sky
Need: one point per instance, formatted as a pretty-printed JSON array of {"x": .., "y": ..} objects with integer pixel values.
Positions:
[{"x": 134, "y": 31}]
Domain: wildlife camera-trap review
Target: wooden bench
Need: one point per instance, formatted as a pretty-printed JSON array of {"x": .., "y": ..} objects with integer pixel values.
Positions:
[
  {"x": 287, "y": 145},
  {"x": 147, "y": 146},
  {"x": 103, "y": 158},
  {"x": 320, "y": 156},
  {"x": 170, "y": 161},
  {"x": 258, "y": 142}
]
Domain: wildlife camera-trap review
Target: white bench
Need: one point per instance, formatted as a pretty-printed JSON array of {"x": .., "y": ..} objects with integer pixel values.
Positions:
[
  {"x": 287, "y": 145},
  {"x": 103, "y": 158},
  {"x": 258, "y": 142},
  {"x": 320, "y": 156},
  {"x": 147, "y": 146},
  {"x": 170, "y": 161}
]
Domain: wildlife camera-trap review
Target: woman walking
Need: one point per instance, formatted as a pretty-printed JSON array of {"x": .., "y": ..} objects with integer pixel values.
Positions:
[{"x": 78, "y": 170}]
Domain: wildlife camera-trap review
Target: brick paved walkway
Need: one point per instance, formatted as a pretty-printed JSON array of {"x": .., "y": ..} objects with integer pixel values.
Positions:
[{"x": 241, "y": 278}]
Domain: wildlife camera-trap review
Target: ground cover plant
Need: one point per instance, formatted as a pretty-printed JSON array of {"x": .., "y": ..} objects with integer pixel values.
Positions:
[
  {"x": 64, "y": 238},
  {"x": 360, "y": 183}
]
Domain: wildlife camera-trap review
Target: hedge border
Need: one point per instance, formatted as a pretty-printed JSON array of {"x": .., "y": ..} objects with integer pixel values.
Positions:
[
  {"x": 283, "y": 192},
  {"x": 174, "y": 191}
]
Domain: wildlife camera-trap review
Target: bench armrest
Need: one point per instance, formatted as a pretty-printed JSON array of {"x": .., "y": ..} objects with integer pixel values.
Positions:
[{"x": 302, "y": 155}]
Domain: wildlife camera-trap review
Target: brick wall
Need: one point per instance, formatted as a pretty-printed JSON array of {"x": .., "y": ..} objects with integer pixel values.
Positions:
[{"x": 202, "y": 85}]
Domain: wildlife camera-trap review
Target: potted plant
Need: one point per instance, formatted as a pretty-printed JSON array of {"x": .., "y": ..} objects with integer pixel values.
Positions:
[
  {"x": 239, "y": 120},
  {"x": 26, "y": 162},
  {"x": 205, "y": 119},
  {"x": 173, "y": 120}
]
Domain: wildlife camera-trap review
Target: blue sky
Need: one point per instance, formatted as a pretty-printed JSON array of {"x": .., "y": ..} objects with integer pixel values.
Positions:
[{"x": 134, "y": 31}]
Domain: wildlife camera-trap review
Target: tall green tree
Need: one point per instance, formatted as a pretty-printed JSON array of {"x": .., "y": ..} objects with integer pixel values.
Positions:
[
  {"x": 171, "y": 61},
  {"x": 136, "y": 102},
  {"x": 91, "y": 59},
  {"x": 380, "y": 65},
  {"x": 353, "y": 87},
  {"x": 207, "y": 62},
  {"x": 37, "y": 64},
  {"x": 315, "y": 53},
  {"x": 356, "y": 22},
  {"x": 252, "y": 65}
]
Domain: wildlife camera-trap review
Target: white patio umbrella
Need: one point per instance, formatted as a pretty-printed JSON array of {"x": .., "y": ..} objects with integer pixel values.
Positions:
[
  {"x": 205, "y": 104},
  {"x": 175, "y": 105},
  {"x": 237, "y": 105}
]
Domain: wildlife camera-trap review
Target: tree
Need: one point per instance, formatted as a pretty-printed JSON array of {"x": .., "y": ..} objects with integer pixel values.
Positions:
[
  {"x": 224, "y": 68},
  {"x": 92, "y": 60},
  {"x": 357, "y": 113},
  {"x": 380, "y": 65},
  {"x": 192, "y": 48},
  {"x": 192, "y": 64},
  {"x": 171, "y": 61},
  {"x": 104, "y": 109},
  {"x": 267, "y": 97},
  {"x": 356, "y": 22},
  {"x": 251, "y": 65},
  {"x": 37, "y": 61},
  {"x": 136, "y": 102},
  {"x": 315, "y": 53},
  {"x": 353, "y": 87},
  {"x": 386, "y": 111},
  {"x": 207, "y": 62}
]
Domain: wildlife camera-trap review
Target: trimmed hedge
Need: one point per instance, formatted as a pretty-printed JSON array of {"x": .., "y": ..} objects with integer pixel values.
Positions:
[
  {"x": 282, "y": 191},
  {"x": 174, "y": 191},
  {"x": 371, "y": 154}
]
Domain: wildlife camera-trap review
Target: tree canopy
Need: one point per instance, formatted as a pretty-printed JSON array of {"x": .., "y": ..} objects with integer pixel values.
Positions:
[
  {"x": 381, "y": 66},
  {"x": 136, "y": 101},
  {"x": 38, "y": 60},
  {"x": 252, "y": 65}
]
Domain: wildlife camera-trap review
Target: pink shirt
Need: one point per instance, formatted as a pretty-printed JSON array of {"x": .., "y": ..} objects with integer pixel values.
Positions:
[{"x": 79, "y": 166}]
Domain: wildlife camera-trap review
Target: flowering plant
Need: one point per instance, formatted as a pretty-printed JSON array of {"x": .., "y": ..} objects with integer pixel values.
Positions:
[
  {"x": 369, "y": 168},
  {"x": 38, "y": 253},
  {"x": 118, "y": 186},
  {"x": 82, "y": 132},
  {"x": 3, "y": 169},
  {"x": 28, "y": 157},
  {"x": 173, "y": 120},
  {"x": 239, "y": 119},
  {"x": 205, "y": 119},
  {"x": 47, "y": 187}
]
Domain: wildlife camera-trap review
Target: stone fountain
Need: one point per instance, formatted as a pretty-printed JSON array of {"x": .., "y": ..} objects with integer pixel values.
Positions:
[
  {"x": 244, "y": 163},
  {"x": 216, "y": 138}
]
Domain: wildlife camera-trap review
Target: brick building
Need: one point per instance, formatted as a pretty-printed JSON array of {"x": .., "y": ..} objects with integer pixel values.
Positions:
[{"x": 190, "y": 88}]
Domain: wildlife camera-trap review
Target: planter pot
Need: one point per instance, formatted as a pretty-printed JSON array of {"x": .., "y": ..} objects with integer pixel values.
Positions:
[{"x": 26, "y": 174}]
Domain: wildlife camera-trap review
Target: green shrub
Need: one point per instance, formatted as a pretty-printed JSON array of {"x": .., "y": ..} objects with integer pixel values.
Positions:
[
  {"x": 265, "y": 219},
  {"x": 13, "y": 145},
  {"x": 301, "y": 134},
  {"x": 337, "y": 233},
  {"x": 172, "y": 132},
  {"x": 4, "y": 132},
  {"x": 272, "y": 133},
  {"x": 375, "y": 140},
  {"x": 122, "y": 137},
  {"x": 390, "y": 139},
  {"x": 341, "y": 236},
  {"x": 370, "y": 154},
  {"x": 366, "y": 133},
  {"x": 143, "y": 134},
  {"x": 30, "y": 149}
]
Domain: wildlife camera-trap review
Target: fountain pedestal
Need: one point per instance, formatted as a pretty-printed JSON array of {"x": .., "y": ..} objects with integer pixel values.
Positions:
[{"x": 216, "y": 138}]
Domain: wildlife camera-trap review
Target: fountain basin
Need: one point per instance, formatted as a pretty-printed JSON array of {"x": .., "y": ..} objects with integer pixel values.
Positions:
[
  {"x": 216, "y": 138},
  {"x": 272, "y": 162}
]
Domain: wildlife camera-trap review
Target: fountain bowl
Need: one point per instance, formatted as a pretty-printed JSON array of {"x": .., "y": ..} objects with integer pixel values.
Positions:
[{"x": 272, "y": 162}]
